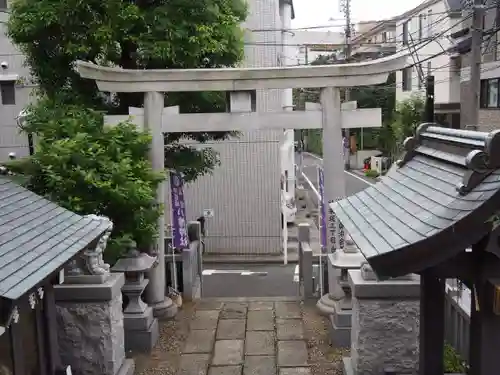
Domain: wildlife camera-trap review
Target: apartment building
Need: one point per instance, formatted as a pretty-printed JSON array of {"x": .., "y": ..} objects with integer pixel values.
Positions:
[
  {"x": 425, "y": 31},
  {"x": 489, "y": 112},
  {"x": 374, "y": 39},
  {"x": 15, "y": 90}
]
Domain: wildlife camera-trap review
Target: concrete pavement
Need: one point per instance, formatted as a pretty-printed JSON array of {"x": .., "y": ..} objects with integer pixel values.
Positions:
[{"x": 266, "y": 280}]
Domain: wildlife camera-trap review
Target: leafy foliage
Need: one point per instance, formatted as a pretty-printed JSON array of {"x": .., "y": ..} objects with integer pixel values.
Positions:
[
  {"x": 83, "y": 165},
  {"x": 453, "y": 363},
  {"x": 91, "y": 168},
  {"x": 407, "y": 116},
  {"x": 141, "y": 34}
]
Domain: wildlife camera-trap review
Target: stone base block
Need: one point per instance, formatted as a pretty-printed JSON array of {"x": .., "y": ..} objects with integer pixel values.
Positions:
[
  {"x": 128, "y": 368},
  {"x": 138, "y": 322},
  {"x": 342, "y": 317},
  {"x": 340, "y": 337},
  {"x": 142, "y": 340},
  {"x": 165, "y": 309},
  {"x": 90, "y": 326}
]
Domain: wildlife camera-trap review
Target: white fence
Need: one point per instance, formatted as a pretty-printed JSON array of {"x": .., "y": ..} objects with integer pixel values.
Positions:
[{"x": 457, "y": 317}]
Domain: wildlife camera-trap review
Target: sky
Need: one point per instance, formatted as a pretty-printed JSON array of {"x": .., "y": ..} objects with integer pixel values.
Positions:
[{"x": 318, "y": 12}]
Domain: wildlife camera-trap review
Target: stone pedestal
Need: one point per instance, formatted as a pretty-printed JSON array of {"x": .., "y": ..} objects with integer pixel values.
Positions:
[
  {"x": 336, "y": 293},
  {"x": 90, "y": 327},
  {"x": 385, "y": 324},
  {"x": 340, "y": 320},
  {"x": 141, "y": 328}
]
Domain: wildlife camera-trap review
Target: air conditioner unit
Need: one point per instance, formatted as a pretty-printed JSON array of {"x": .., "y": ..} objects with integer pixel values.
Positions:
[{"x": 376, "y": 164}]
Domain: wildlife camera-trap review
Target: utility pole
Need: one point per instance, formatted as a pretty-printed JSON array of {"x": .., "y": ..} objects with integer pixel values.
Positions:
[
  {"x": 301, "y": 131},
  {"x": 429, "y": 99},
  {"x": 345, "y": 6},
  {"x": 429, "y": 95},
  {"x": 475, "y": 69}
]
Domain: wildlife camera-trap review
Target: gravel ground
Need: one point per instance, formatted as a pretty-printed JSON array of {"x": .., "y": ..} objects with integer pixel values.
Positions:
[
  {"x": 324, "y": 359},
  {"x": 163, "y": 360}
]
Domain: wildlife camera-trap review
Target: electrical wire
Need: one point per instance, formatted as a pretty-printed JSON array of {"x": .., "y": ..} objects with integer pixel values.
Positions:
[{"x": 341, "y": 25}]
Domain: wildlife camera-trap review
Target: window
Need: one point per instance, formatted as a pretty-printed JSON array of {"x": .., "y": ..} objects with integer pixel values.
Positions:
[
  {"x": 405, "y": 32},
  {"x": 8, "y": 92},
  {"x": 407, "y": 79},
  {"x": 3, "y": 4},
  {"x": 384, "y": 37},
  {"x": 489, "y": 97}
]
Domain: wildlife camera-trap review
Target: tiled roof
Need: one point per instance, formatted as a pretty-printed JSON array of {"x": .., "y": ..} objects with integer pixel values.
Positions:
[
  {"x": 37, "y": 237},
  {"x": 434, "y": 204}
]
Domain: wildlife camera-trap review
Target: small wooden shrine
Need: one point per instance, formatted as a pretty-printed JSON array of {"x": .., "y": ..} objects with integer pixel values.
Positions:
[
  {"x": 37, "y": 239},
  {"x": 436, "y": 213}
]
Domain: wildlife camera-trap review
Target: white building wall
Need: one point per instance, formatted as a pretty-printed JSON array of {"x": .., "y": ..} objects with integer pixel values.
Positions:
[
  {"x": 244, "y": 191},
  {"x": 435, "y": 22},
  {"x": 305, "y": 39},
  {"x": 11, "y": 140}
]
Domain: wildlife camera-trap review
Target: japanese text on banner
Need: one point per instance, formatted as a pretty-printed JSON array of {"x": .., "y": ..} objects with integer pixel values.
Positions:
[{"x": 179, "y": 224}]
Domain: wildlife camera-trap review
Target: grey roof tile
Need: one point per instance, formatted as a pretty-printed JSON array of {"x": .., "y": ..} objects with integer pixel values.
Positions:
[
  {"x": 37, "y": 237},
  {"x": 416, "y": 217}
]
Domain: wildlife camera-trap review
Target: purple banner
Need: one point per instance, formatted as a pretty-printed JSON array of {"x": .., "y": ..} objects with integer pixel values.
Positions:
[
  {"x": 179, "y": 226},
  {"x": 321, "y": 185}
]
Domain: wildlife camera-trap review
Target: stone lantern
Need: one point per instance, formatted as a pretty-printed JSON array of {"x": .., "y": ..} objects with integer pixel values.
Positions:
[
  {"x": 141, "y": 328},
  {"x": 338, "y": 302}
]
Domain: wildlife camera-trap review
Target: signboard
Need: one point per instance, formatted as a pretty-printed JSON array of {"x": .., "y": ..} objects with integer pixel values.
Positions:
[
  {"x": 330, "y": 226},
  {"x": 321, "y": 185},
  {"x": 179, "y": 225}
]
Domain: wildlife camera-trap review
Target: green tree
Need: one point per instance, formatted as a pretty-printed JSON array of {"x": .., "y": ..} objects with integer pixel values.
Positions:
[
  {"x": 407, "y": 116},
  {"x": 67, "y": 119},
  {"x": 376, "y": 96}
]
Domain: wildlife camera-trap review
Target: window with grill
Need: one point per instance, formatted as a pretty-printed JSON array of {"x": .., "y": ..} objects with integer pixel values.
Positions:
[
  {"x": 490, "y": 95},
  {"x": 8, "y": 92}
]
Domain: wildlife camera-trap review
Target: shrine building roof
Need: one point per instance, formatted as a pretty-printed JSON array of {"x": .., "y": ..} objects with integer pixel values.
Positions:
[
  {"x": 37, "y": 237},
  {"x": 440, "y": 198}
]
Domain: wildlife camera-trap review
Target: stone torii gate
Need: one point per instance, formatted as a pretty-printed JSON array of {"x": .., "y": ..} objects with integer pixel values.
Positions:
[{"x": 241, "y": 83}]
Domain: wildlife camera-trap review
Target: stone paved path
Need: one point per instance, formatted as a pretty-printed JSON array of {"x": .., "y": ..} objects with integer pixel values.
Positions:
[{"x": 245, "y": 338}]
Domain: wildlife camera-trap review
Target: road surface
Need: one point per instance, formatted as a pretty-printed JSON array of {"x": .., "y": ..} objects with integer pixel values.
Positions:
[
  {"x": 249, "y": 280},
  {"x": 354, "y": 183}
]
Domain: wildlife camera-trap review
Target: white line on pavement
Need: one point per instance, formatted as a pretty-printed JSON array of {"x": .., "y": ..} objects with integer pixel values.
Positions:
[
  {"x": 347, "y": 172},
  {"x": 233, "y": 272},
  {"x": 359, "y": 178}
]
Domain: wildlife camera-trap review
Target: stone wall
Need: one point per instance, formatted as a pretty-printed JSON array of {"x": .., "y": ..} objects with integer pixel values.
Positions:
[
  {"x": 385, "y": 334},
  {"x": 90, "y": 327},
  {"x": 385, "y": 324}
]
